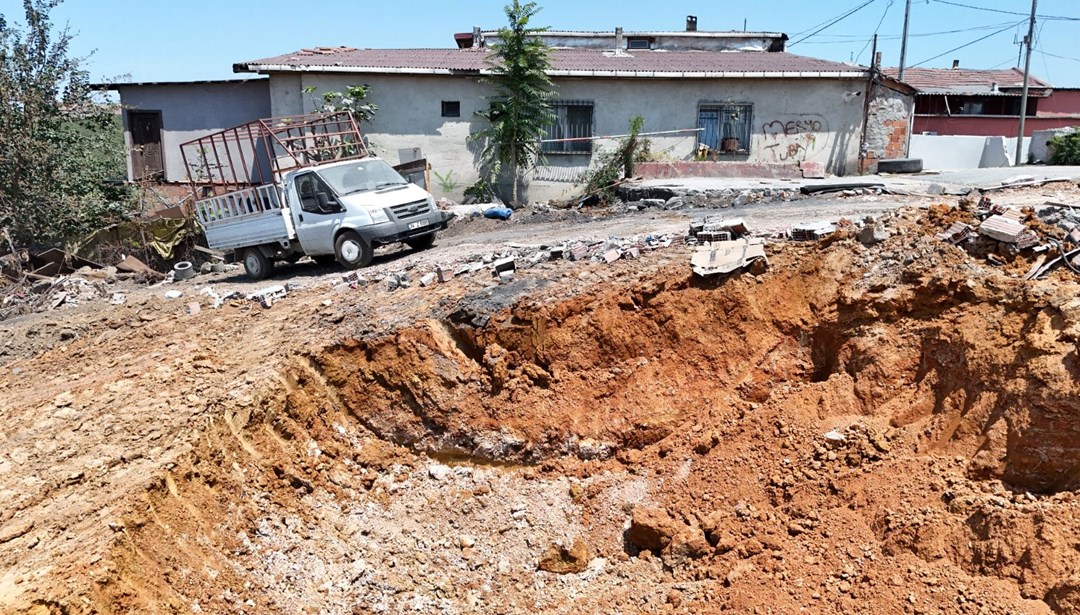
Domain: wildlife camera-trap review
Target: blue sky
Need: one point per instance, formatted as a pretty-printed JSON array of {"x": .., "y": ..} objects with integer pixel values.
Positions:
[{"x": 200, "y": 39}]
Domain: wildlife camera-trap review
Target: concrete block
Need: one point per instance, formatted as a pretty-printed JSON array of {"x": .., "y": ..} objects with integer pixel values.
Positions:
[
  {"x": 871, "y": 235},
  {"x": 506, "y": 264},
  {"x": 428, "y": 279},
  {"x": 611, "y": 256}
]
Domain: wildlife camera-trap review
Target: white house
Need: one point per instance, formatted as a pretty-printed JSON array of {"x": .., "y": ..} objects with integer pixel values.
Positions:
[{"x": 739, "y": 97}]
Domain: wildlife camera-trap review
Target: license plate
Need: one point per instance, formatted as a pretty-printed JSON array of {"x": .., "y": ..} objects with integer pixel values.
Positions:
[{"x": 415, "y": 225}]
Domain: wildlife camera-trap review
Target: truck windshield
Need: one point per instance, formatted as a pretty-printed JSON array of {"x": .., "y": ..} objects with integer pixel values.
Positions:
[{"x": 361, "y": 176}]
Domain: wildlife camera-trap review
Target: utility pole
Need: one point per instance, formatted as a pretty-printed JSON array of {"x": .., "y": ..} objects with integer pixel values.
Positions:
[
  {"x": 1024, "y": 92},
  {"x": 903, "y": 42}
]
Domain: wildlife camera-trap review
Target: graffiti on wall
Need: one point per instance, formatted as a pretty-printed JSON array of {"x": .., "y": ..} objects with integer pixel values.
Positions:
[{"x": 796, "y": 139}]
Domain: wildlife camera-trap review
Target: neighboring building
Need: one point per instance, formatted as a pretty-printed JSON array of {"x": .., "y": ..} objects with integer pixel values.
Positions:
[
  {"x": 726, "y": 103},
  {"x": 159, "y": 116},
  {"x": 959, "y": 101}
]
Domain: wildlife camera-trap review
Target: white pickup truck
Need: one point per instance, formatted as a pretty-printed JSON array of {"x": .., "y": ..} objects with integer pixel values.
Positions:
[{"x": 337, "y": 210}]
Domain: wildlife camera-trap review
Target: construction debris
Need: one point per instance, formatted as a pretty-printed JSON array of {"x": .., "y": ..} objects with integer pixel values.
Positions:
[
  {"x": 812, "y": 231},
  {"x": 727, "y": 256}
]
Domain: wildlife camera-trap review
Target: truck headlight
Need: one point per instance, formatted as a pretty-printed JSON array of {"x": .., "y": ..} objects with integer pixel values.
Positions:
[{"x": 378, "y": 216}]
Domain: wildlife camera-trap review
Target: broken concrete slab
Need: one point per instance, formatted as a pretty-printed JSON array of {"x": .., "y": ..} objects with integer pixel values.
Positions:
[
  {"x": 812, "y": 231},
  {"x": 612, "y": 255},
  {"x": 727, "y": 256},
  {"x": 428, "y": 279}
]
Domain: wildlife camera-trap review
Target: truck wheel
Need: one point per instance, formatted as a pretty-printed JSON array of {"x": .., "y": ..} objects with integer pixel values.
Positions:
[
  {"x": 256, "y": 264},
  {"x": 352, "y": 250},
  {"x": 422, "y": 242},
  {"x": 324, "y": 260}
]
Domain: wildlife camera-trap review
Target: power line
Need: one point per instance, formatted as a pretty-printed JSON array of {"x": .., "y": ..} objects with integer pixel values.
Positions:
[
  {"x": 887, "y": 37},
  {"x": 801, "y": 32},
  {"x": 1054, "y": 55},
  {"x": 982, "y": 8},
  {"x": 880, "y": 21},
  {"x": 982, "y": 38},
  {"x": 834, "y": 21}
]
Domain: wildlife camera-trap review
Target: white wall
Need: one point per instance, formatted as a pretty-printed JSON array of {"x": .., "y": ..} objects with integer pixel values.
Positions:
[
  {"x": 952, "y": 152},
  {"x": 793, "y": 119},
  {"x": 191, "y": 110}
]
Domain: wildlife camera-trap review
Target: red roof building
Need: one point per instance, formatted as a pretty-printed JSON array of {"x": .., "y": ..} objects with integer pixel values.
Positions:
[{"x": 961, "y": 101}]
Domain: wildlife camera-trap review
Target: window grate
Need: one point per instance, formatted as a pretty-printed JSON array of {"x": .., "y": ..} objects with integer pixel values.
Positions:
[
  {"x": 726, "y": 128},
  {"x": 571, "y": 119}
]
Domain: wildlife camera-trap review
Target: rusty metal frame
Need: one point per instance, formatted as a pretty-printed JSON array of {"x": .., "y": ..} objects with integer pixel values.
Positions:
[{"x": 287, "y": 143}]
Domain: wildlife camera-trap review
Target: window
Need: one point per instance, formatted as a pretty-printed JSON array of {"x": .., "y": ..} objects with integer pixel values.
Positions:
[
  {"x": 571, "y": 119},
  {"x": 309, "y": 186},
  {"x": 725, "y": 128},
  {"x": 451, "y": 108},
  {"x": 638, "y": 43}
]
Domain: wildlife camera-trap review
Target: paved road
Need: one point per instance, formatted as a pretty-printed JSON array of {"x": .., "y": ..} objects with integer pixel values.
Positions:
[{"x": 951, "y": 181}]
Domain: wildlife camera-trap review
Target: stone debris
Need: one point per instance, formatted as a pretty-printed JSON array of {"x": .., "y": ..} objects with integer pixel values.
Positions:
[
  {"x": 268, "y": 296},
  {"x": 812, "y": 231}
]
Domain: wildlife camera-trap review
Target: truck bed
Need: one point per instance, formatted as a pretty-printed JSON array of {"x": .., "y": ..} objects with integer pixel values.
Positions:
[{"x": 244, "y": 218}]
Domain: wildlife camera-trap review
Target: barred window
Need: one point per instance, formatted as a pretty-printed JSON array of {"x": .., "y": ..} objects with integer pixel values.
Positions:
[
  {"x": 571, "y": 119},
  {"x": 725, "y": 128}
]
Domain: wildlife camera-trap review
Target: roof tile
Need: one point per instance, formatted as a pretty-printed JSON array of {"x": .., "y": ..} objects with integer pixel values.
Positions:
[
  {"x": 963, "y": 79},
  {"x": 562, "y": 60}
]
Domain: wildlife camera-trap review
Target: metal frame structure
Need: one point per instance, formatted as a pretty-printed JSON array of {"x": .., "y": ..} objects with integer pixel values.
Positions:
[
  {"x": 266, "y": 150},
  {"x": 275, "y": 146}
]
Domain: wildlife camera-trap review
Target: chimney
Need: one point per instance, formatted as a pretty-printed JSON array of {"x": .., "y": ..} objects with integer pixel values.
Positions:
[
  {"x": 691, "y": 23},
  {"x": 618, "y": 40},
  {"x": 955, "y": 64},
  {"x": 477, "y": 38},
  {"x": 877, "y": 60}
]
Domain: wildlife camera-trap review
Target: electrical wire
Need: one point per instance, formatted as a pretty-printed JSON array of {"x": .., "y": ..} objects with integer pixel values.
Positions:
[
  {"x": 983, "y": 8},
  {"x": 980, "y": 39},
  {"x": 1054, "y": 55},
  {"x": 890, "y": 37},
  {"x": 869, "y": 40},
  {"x": 835, "y": 21}
]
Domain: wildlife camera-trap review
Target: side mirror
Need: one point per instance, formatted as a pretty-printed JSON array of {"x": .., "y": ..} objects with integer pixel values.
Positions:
[{"x": 324, "y": 202}]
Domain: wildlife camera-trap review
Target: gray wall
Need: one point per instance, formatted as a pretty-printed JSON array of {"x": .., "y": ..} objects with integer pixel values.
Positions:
[
  {"x": 192, "y": 110},
  {"x": 793, "y": 119}
]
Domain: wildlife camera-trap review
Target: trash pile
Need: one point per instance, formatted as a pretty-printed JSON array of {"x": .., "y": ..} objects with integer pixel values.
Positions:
[{"x": 1000, "y": 233}]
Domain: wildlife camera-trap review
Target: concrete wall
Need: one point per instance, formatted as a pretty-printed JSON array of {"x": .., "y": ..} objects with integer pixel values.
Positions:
[
  {"x": 1040, "y": 143},
  {"x": 794, "y": 120},
  {"x": 1062, "y": 102},
  {"x": 887, "y": 126},
  {"x": 952, "y": 152},
  {"x": 191, "y": 110},
  {"x": 988, "y": 125}
]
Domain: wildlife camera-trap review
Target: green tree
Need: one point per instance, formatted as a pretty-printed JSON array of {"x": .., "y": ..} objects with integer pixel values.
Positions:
[
  {"x": 57, "y": 144},
  {"x": 352, "y": 99},
  {"x": 519, "y": 111}
]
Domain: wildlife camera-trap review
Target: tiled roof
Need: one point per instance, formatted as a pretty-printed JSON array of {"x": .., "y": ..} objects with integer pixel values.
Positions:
[
  {"x": 964, "y": 80},
  {"x": 564, "y": 61}
]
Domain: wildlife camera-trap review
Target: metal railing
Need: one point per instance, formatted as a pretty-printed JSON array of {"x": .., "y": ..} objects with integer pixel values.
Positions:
[{"x": 244, "y": 203}]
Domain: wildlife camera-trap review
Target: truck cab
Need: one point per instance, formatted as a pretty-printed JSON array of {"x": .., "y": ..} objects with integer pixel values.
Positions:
[{"x": 345, "y": 210}]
